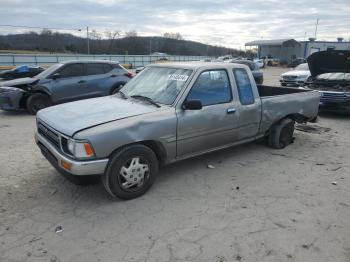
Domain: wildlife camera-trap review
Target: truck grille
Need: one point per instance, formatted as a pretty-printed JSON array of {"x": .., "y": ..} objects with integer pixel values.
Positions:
[
  {"x": 334, "y": 97},
  {"x": 49, "y": 134}
]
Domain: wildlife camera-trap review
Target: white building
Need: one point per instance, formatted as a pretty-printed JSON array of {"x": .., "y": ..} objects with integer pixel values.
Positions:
[{"x": 288, "y": 49}]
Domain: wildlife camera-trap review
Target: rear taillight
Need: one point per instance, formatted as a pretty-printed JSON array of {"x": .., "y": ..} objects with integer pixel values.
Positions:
[{"x": 129, "y": 74}]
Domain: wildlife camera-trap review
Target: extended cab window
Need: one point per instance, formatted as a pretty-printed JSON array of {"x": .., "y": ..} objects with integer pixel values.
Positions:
[
  {"x": 244, "y": 86},
  {"x": 72, "y": 70},
  {"x": 211, "y": 87},
  {"x": 95, "y": 69}
]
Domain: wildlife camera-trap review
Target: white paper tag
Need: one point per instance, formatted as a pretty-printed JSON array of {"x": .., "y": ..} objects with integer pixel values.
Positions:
[{"x": 177, "y": 77}]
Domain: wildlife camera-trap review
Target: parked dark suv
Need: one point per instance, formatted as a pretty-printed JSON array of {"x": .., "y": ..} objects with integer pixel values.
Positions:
[{"x": 63, "y": 82}]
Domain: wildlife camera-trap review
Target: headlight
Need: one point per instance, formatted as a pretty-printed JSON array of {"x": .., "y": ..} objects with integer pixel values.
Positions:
[{"x": 80, "y": 149}]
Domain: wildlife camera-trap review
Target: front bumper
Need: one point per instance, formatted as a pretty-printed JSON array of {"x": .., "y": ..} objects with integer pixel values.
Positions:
[
  {"x": 10, "y": 99},
  {"x": 56, "y": 158},
  {"x": 335, "y": 101},
  {"x": 343, "y": 107}
]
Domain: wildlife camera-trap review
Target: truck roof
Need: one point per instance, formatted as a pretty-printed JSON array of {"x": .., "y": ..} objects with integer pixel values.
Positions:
[{"x": 198, "y": 64}]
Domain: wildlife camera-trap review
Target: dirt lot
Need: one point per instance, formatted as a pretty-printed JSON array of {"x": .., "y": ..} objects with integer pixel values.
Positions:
[{"x": 257, "y": 204}]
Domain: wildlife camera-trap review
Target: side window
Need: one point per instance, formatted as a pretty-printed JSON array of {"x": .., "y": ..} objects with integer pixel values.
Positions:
[
  {"x": 72, "y": 70},
  {"x": 244, "y": 86},
  {"x": 211, "y": 87},
  {"x": 95, "y": 69},
  {"x": 107, "y": 68}
]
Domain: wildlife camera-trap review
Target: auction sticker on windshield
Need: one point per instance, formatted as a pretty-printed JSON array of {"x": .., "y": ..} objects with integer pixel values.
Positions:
[{"x": 177, "y": 77}]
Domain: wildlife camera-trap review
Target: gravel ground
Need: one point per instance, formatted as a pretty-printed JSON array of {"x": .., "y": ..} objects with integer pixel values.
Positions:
[{"x": 257, "y": 204}]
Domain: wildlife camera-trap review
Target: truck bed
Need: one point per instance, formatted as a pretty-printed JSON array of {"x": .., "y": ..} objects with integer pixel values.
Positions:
[
  {"x": 275, "y": 91},
  {"x": 279, "y": 102}
]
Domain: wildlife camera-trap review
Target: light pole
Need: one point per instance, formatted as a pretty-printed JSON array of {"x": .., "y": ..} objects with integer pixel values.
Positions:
[
  {"x": 88, "y": 41},
  {"x": 316, "y": 28}
]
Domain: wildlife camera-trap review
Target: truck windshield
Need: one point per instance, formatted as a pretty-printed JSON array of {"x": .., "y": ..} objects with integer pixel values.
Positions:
[{"x": 160, "y": 84}]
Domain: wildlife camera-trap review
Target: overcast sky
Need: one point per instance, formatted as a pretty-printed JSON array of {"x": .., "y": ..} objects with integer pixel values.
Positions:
[{"x": 229, "y": 23}]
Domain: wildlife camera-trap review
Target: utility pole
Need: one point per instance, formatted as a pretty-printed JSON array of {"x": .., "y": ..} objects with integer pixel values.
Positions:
[
  {"x": 87, "y": 39},
  {"x": 316, "y": 28},
  {"x": 150, "y": 45}
]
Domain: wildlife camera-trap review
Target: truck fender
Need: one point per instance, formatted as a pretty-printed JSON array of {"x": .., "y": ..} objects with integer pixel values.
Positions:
[{"x": 155, "y": 146}]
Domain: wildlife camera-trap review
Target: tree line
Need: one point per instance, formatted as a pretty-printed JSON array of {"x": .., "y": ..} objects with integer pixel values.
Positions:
[{"x": 111, "y": 43}]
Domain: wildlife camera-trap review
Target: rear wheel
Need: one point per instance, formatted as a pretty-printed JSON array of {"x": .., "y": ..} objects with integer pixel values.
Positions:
[
  {"x": 260, "y": 80},
  {"x": 37, "y": 102},
  {"x": 131, "y": 171},
  {"x": 281, "y": 134}
]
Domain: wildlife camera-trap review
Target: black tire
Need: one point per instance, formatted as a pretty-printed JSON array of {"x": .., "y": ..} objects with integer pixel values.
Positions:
[
  {"x": 37, "y": 102},
  {"x": 113, "y": 180},
  {"x": 116, "y": 89},
  {"x": 260, "y": 80},
  {"x": 281, "y": 134}
]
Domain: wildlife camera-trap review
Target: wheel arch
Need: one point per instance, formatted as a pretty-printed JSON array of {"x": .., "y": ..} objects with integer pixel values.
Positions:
[
  {"x": 154, "y": 145},
  {"x": 297, "y": 117},
  {"x": 116, "y": 85},
  {"x": 26, "y": 95}
]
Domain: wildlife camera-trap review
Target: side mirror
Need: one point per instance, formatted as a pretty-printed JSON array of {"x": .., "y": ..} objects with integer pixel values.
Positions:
[
  {"x": 192, "y": 105},
  {"x": 56, "y": 76}
]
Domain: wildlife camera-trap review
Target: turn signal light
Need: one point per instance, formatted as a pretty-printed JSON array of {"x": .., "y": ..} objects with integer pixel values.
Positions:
[
  {"x": 88, "y": 150},
  {"x": 66, "y": 165}
]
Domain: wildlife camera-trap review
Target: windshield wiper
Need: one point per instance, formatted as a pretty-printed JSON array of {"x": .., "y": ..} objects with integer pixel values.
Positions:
[{"x": 146, "y": 98}]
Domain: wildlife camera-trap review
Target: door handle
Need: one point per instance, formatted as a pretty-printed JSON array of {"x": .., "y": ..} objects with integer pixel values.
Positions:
[
  {"x": 231, "y": 110},
  {"x": 81, "y": 82},
  {"x": 113, "y": 75}
]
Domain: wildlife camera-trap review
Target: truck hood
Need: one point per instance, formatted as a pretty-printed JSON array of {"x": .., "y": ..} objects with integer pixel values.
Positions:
[
  {"x": 72, "y": 117},
  {"x": 297, "y": 73},
  {"x": 19, "y": 82},
  {"x": 335, "y": 61}
]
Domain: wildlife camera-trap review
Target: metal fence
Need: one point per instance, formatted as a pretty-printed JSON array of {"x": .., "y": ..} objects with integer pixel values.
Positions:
[{"x": 47, "y": 60}]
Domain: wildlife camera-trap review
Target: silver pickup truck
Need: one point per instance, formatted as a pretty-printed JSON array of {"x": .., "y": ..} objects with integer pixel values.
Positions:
[{"x": 168, "y": 112}]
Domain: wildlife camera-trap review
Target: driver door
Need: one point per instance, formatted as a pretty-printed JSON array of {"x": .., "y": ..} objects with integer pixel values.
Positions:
[
  {"x": 214, "y": 125},
  {"x": 71, "y": 85}
]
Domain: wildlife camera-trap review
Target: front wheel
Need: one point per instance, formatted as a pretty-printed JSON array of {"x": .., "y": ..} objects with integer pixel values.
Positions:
[
  {"x": 131, "y": 171},
  {"x": 37, "y": 102}
]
